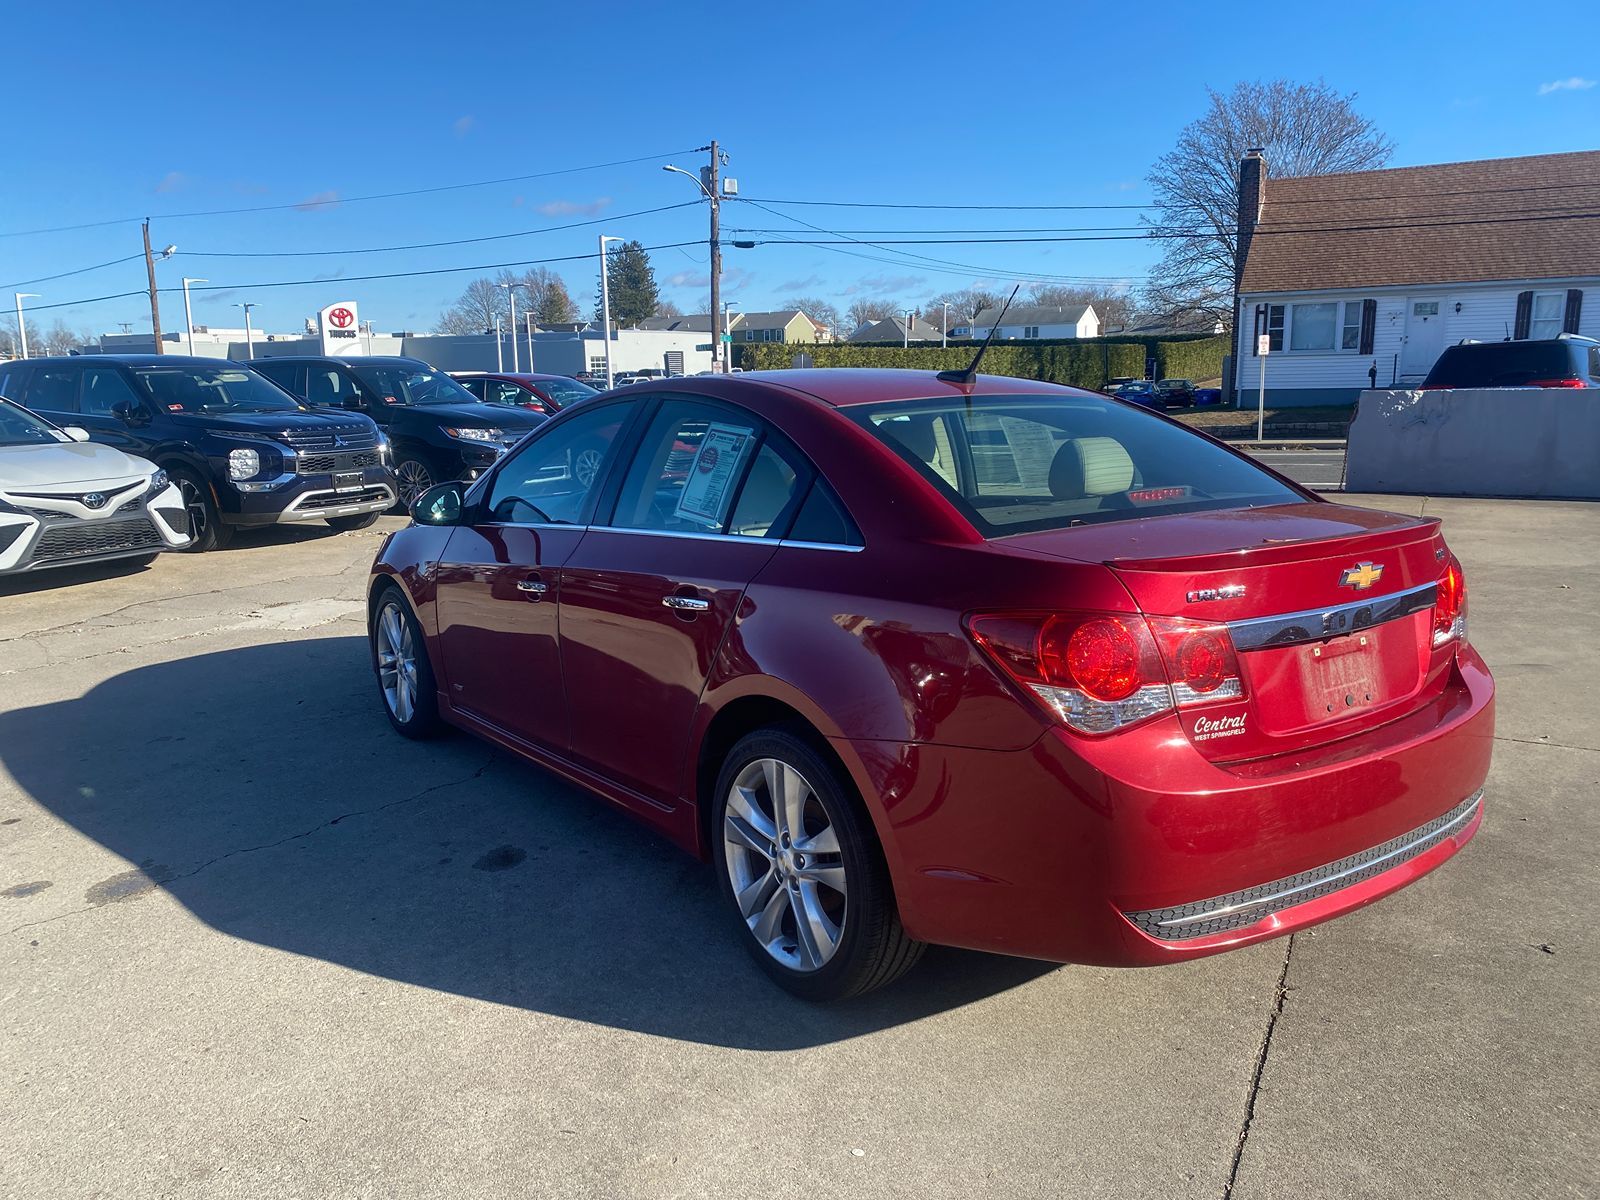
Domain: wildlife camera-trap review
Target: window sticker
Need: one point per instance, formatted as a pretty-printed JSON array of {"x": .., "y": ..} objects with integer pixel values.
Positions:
[{"x": 708, "y": 492}]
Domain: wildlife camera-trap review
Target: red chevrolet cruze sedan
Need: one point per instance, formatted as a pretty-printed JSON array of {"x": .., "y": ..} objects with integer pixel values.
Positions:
[{"x": 992, "y": 663}]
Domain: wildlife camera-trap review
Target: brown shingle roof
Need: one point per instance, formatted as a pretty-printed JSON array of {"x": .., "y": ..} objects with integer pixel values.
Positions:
[{"x": 1502, "y": 218}]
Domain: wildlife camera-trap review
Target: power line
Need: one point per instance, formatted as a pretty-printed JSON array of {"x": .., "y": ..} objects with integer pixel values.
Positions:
[
  {"x": 494, "y": 237},
  {"x": 64, "y": 274},
  {"x": 758, "y": 201},
  {"x": 335, "y": 200}
]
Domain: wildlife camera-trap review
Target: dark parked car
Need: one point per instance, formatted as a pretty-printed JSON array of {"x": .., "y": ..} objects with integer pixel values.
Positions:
[
  {"x": 242, "y": 452},
  {"x": 1567, "y": 361},
  {"x": 1143, "y": 393},
  {"x": 547, "y": 394},
  {"x": 438, "y": 430},
  {"x": 989, "y": 663},
  {"x": 1178, "y": 392}
]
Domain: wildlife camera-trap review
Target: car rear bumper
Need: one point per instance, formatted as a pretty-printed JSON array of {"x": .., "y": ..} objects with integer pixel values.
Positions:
[{"x": 1077, "y": 850}]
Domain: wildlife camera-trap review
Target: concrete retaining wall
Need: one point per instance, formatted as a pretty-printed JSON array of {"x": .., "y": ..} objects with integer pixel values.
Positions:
[{"x": 1534, "y": 442}]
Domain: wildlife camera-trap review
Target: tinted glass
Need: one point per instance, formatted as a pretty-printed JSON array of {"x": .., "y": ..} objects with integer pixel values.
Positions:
[
  {"x": 822, "y": 519},
  {"x": 188, "y": 388},
  {"x": 550, "y": 478},
  {"x": 53, "y": 389},
  {"x": 766, "y": 497},
  {"x": 565, "y": 391},
  {"x": 329, "y": 385},
  {"x": 1011, "y": 464},
  {"x": 498, "y": 391},
  {"x": 1499, "y": 364},
  {"x": 401, "y": 383},
  {"x": 686, "y": 474},
  {"x": 103, "y": 389},
  {"x": 20, "y": 428}
]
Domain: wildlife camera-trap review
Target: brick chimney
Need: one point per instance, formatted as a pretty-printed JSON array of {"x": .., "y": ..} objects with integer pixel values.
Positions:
[{"x": 1252, "y": 195}]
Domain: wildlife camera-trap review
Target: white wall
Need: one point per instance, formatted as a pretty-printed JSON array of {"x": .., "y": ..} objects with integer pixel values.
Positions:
[
  {"x": 1533, "y": 442},
  {"x": 1488, "y": 313}
]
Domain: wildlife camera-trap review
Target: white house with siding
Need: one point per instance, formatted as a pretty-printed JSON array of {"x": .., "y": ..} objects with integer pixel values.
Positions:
[
  {"x": 1027, "y": 322},
  {"x": 1366, "y": 277}
]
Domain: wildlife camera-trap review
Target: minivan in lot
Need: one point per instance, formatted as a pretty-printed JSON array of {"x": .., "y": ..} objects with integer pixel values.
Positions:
[
  {"x": 979, "y": 661},
  {"x": 242, "y": 451},
  {"x": 437, "y": 428}
]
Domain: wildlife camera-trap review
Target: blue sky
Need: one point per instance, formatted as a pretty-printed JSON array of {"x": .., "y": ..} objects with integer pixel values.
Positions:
[{"x": 120, "y": 115}]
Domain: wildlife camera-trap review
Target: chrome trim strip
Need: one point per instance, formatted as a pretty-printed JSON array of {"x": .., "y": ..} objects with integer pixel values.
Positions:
[
  {"x": 1317, "y": 624},
  {"x": 1236, "y": 910},
  {"x": 839, "y": 546}
]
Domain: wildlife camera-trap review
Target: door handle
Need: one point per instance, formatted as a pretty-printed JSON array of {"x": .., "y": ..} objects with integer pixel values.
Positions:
[
  {"x": 533, "y": 587},
  {"x": 686, "y": 603}
]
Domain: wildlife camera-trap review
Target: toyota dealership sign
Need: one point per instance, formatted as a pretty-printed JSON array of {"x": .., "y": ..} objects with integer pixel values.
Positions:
[{"x": 341, "y": 328}]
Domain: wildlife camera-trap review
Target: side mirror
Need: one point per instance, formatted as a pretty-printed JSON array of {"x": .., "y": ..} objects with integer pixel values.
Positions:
[
  {"x": 439, "y": 505},
  {"x": 355, "y": 403},
  {"x": 129, "y": 413},
  {"x": 76, "y": 432}
]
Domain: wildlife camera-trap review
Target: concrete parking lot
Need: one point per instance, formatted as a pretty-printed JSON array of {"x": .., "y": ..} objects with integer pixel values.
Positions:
[{"x": 257, "y": 945}]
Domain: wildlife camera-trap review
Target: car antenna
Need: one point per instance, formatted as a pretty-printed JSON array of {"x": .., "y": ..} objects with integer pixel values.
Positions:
[{"x": 970, "y": 372}]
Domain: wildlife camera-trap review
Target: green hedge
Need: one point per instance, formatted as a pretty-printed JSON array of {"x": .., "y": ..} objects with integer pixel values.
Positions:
[
  {"x": 1191, "y": 358},
  {"x": 1083, "y": 363}
]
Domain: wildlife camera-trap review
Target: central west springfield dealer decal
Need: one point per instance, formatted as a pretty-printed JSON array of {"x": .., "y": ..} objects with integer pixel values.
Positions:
[{"x": 1207, "y": 728}]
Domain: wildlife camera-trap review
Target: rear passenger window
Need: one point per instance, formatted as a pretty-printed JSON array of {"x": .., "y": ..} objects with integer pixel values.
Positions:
[
  {"x": 687, "y": 472},
  {"x": 53, "y": 389},
  {"x": 822, "y": 520},
  {"x": 765, "y": 497}
]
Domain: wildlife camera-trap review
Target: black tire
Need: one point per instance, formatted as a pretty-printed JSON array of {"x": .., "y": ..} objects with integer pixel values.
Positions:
[
  {"x": 873, "y": 949},
  {"x": 415, "y": 472},
  {"x": 420, "y": 720},
  {"x": 360, "y": 521},
  {"x": 210, "y": 532}
]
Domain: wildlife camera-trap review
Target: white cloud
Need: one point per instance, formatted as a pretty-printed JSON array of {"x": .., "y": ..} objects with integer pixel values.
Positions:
[
  {"x": 462, "y": 126},
  {"x": 1573, "y": 84},
  {"x": 172, "y": 181},
  {"x": 318, "y": 200},
  {"x": 572, "y": 208}
]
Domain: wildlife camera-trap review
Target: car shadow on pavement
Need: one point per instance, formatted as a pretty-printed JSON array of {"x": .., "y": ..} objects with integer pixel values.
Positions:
[{"x": 263, "y": 789}]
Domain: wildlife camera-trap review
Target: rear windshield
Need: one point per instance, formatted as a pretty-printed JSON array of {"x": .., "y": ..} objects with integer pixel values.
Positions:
[
  {"x": 1015, "y": 464},
  {"x": 1499, "y": 364}
]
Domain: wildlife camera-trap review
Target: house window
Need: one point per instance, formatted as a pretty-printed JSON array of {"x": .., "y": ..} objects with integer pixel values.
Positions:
[
  {"x": 1030, "y": 331},
  {"x": 1275, "y": 322},
  {"x": 749, "y": 335},
  {"x": 597, "y": 364},
  {"x": 1548, "y": 310},
  {"x": 1350, "y": 331},
  {"x": 1311, "y": 326}
]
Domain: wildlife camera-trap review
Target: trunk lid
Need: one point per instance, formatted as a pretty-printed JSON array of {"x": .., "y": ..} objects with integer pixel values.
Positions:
[{"x": 1330, "y": 610}]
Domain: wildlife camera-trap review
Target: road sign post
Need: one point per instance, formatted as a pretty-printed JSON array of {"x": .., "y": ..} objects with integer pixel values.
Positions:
[{"x": 1263, "y": 348}]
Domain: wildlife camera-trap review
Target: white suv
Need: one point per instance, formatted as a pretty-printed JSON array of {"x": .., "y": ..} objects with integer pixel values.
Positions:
[{"x": 65, "y": 500}]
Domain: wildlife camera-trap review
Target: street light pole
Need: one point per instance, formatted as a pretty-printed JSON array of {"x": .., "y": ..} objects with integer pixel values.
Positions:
[
  {"x": 944, "y": 327},
  {"x": 499, "y": 346},
  {"x": 721, "y": 352},
  {"x": 605, "y": 304},
  {"x": 528, "y": 316},
  {"x": 905, "y": 339},
  {"x": 249, "y": 338},
  {"x": 188, "y": 316},
  {"x": 511, "y": 298},
  {"x": 22, "y": 328}
]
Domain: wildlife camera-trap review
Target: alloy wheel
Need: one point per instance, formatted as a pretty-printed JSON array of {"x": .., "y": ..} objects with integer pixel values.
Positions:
[
  {"x": 194, "y": 503},
  {"x": 414, "y": 478},
  {"x": 397, "y": 662},
  {"x": 783, "y": 858},
  {"x": 586, "y": 466}
]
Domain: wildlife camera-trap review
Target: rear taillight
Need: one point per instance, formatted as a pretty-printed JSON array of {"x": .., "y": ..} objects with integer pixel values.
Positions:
[
  {"x": 1563, "y": 383},
  {"x": 1100, "y": 672},
  {"x": 1450, "y": 605}
]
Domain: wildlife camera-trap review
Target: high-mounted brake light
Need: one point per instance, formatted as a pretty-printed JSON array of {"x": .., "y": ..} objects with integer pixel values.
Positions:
[
  {"x": 1450, "y": 605},
  {"x": 1100, "y": 672}
]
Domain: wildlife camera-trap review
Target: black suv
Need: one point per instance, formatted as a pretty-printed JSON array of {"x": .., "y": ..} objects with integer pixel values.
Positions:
[
  {"x": 438, "y": 429},
  {"x": 243, "y": 452},
  {"x": 1566, "y": 361}
]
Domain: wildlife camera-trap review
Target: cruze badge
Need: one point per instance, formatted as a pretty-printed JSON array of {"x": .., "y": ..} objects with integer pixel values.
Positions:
[
  {"x": 94, "y": 500},
  {"x": 1361, "y": 576},
  {"x": 1228, "y": 591}
]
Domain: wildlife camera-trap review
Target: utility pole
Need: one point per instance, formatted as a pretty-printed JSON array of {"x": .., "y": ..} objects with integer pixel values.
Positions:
[
  {"x": 150, "y": 270},
  {"x": 722, "y": 351},
  {"x": 605, "y": 303}
]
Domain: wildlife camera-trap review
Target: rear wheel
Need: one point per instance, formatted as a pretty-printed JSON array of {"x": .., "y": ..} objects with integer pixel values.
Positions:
[
  {"x": 400, "y": 662},
  {"x": 360, "y": 521},
  {"x": 798, "y": 862},
  {"x": 206, "y": 526},
  {"x": 414, "y": 474}
]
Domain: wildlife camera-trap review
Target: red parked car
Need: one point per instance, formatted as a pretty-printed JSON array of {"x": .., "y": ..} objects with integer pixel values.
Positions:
[
  {"x": 994, "y": 664},
  {"x": 548, "y": 394}
]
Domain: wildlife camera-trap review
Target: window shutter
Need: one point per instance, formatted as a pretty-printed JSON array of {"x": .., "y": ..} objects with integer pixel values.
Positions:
[
  {"x": 1569, "y": 322},
  {"x": 1261, "y": 327},
  {"x": 1524, "y": 316},
  {"x": 1369, "y": 325}
]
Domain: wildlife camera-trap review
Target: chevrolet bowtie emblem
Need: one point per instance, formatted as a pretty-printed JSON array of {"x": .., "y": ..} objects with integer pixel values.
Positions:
[{"x": 1361, "y": 576}]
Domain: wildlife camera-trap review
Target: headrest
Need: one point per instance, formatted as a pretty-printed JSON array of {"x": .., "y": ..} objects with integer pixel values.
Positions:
[
  {"x": 917, "y": 435},
  {"x": 1092, "y": 466}
]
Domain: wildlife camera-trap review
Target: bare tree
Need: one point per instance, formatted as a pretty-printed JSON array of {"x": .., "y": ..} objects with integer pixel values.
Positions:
[
  {"x": 58, "y": 339},
  {"x": 965, "y": 305},
  {"x": 545, "y": 295},
  {"x": 820, "y": 311},
  {"x": 1304, "y": 128},
  {"x": 1113, "y": 305},
  {"x": 666, "y": 308},
  {"x": 475, "y": 311},
  {"x": 864, "y": 310}
]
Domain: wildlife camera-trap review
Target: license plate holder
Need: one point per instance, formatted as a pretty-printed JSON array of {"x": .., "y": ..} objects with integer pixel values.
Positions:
[{"x": 347, "y": 481}]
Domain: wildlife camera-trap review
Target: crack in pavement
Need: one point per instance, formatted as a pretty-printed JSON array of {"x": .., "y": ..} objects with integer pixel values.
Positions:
[
  {"x": 1261, "y": 1066},
  {"x": 1542, "y": 742},
  {"x": 165, "y": 880}
]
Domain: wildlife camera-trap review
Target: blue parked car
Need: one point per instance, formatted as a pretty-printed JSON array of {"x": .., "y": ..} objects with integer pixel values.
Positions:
[{"x": 1143, "y": 393}]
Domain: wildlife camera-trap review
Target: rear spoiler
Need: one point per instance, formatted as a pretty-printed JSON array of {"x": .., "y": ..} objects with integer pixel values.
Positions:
[{"x": 1271, "y": 552}]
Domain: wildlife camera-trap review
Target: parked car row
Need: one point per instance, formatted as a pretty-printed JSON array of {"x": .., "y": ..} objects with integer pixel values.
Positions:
[{"x": 1163, "y": 394}]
